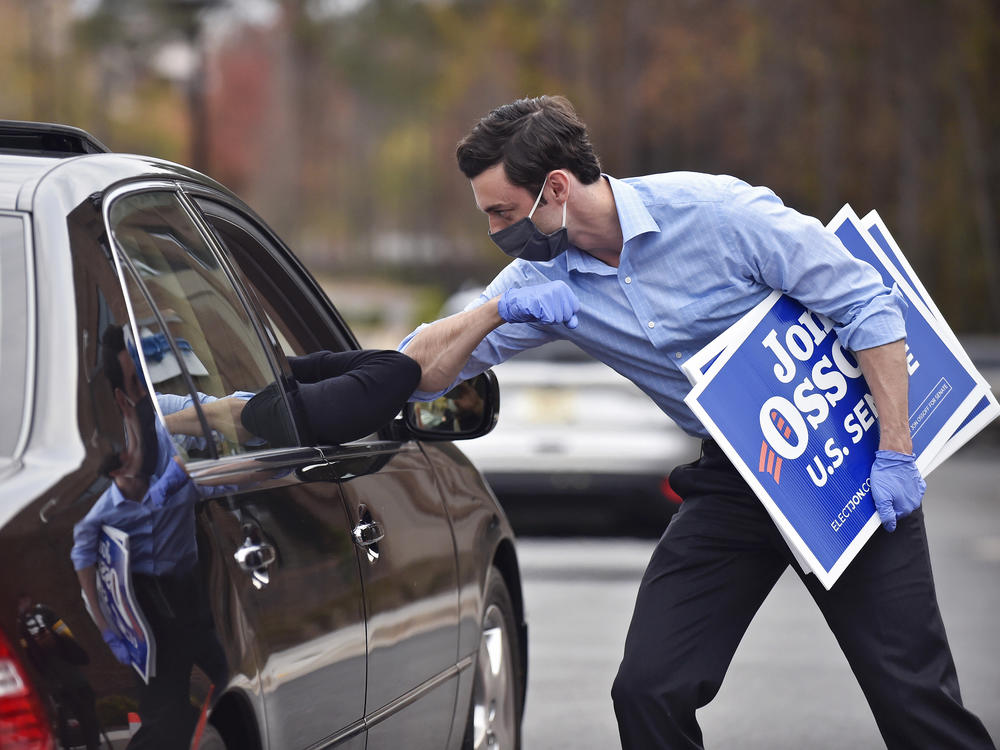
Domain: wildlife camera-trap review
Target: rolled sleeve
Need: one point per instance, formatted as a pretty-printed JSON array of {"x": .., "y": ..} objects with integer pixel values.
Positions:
[
  {"x": 85, "y": 533},
  {"x": 879, "y": 321},
  {"x": 800, "y": 257}
]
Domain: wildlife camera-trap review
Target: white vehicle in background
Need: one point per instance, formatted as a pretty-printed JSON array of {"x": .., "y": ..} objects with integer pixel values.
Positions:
[{"x": 579, "y": 448}]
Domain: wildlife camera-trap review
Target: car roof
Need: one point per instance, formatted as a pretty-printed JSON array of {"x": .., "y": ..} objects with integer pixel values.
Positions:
[
  {"x": 17, "y": 171},
  {"x": 24, "y": 179},
  {"x": 40, "y": 158}
]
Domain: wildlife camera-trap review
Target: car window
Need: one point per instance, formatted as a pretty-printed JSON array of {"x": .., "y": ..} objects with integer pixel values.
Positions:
[
  {"x": 13, "y": 330},
  {"x": 195, "y": 335},
  {"x": 294, "y": 314}
]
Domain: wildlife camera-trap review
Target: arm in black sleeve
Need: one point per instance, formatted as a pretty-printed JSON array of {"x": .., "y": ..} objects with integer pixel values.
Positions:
[
  {"x": 346, "y": 395},
  {"x": 312, "y": 368}
]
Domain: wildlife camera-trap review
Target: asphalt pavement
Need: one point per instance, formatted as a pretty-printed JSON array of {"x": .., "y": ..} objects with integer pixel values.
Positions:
[{"x": 789, "y": 685}]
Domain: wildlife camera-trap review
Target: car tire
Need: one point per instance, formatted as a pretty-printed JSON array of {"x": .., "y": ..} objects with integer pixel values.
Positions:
[
  {"x": 495, "y": 710},
  {"x": 211, "y": 739}
]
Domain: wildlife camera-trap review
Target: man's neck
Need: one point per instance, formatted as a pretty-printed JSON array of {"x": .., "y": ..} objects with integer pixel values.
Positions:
[
  {"x": 598, "y": 231},
  {"x": 132, "y": 487}
]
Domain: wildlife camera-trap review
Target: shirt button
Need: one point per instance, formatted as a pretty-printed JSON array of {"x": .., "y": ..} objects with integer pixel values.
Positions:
[
  {"x": 651, "y": 324},
  {"x": 628, "y": 279},
  {"x": 678, "y": 355}
]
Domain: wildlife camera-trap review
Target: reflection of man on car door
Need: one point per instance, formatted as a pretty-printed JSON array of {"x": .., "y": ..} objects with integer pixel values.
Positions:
[{"x": 151, "y": 499}]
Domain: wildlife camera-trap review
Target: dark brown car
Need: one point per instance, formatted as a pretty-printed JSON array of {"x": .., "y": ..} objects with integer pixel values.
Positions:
[{"x": 363, "y": 595}]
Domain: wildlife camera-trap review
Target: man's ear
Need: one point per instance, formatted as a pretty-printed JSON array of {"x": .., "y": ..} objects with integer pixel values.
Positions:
[{"x": 559, "y": 183}]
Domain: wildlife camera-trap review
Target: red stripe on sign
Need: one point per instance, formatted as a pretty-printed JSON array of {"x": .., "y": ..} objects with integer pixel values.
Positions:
[
  {"x": 770, "y": 461},
  {"x": 777, "y": 471},
  {"x": 763, "y": 454},
  {"x": 781, "y": 424},
  {"x": 788, "y": 431}
]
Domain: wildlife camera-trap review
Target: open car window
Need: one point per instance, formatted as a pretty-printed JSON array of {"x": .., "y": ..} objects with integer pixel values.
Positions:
[
  {"x": 296, "y": 317},
  {"x": 203, "y": 357}
]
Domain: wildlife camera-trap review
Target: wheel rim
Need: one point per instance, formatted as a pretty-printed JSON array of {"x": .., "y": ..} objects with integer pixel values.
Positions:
[{"x": 493, "y": 691}]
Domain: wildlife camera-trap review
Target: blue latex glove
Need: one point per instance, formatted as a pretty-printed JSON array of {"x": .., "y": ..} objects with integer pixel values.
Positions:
[
  {"x": 118, "y": 646},
  {"x": 551, "y": 302},
  {"x": 897, "y": 486}
]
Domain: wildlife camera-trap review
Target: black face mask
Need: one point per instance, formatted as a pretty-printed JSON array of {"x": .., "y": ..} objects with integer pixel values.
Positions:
[
  {"x": 148, "y": 440},
  {"x": 523, "y": 239}
]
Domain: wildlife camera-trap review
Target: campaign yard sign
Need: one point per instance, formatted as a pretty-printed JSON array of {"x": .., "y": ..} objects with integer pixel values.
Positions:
[
  {"x": 987, "y": 409},
  {"x": 792, "y": 410},
  {"x": 116, "y": 599}
]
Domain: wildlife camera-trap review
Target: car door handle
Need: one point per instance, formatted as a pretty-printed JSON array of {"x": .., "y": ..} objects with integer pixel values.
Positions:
[{"x": 368, "y": 533}]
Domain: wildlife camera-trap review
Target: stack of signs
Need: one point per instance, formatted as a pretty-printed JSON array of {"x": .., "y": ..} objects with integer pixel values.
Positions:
[
  {"x": 116, "y": 599},
  {"x": 789, "y": 406}
]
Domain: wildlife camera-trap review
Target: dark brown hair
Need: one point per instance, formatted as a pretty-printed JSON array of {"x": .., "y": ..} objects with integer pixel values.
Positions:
[{"x": 531, "y": 137}]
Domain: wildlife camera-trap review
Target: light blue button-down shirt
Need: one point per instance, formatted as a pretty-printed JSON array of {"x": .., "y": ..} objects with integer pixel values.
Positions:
[
  {"x": 699, "y": 252},
  {"x": 160, "y": 527}
]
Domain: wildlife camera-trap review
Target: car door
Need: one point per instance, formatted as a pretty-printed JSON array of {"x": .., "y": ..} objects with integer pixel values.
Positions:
[
  {"x": 404, "y": 536},
  {"x": 282, "y": 569}
]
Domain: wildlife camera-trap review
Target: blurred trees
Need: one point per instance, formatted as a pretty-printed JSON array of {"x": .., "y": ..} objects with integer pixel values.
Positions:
[{"x": 337, "y": 119}]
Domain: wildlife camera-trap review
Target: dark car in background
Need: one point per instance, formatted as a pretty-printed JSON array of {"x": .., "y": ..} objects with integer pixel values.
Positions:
[{"x": 364, "y": 595}]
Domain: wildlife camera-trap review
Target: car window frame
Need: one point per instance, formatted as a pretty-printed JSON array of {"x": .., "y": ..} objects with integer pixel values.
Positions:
[{"x": 124, "y": 265}]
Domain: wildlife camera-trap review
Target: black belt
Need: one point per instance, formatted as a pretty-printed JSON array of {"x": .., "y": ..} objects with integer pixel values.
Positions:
[
  {"x": 168, "y": 594},
  {"x": 712, "y": 456}
]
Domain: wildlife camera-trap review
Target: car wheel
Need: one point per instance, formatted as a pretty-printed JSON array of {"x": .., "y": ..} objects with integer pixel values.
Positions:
[
  {"x": 495, "y": 714},
  {"x": 211, "y": 739}
]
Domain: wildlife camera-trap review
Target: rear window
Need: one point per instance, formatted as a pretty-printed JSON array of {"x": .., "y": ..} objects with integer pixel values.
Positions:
[{"x": 13, "y": 331}]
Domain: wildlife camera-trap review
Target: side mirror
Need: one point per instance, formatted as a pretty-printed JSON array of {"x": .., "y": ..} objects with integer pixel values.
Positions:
[{"x": 469, "y": 410}]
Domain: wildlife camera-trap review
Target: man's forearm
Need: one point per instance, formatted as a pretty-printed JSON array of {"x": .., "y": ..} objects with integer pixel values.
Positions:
[
  {"x": 443, "y": 348},
  {"x": 183, "y": 422},
  {"x": 885, "y": 371}
]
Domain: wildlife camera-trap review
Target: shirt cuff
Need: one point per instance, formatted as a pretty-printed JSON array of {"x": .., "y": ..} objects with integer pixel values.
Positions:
[
  {"x": 83, "y": 558},
  {"x": 880, "y": 321}
]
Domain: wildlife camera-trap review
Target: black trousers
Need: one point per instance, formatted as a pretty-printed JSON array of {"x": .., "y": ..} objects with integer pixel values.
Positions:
[
  {"x": 180, "y": 618},
  {"x": 712, "y": 569}
]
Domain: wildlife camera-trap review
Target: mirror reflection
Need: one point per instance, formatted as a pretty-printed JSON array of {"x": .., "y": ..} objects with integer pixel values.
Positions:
[{"x": 461, "y": 410}]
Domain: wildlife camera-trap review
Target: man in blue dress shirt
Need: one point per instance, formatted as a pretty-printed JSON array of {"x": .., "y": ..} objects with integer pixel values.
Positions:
[
  {"x": 641, "y": 273},
  {"x": 152, "y": 499}
]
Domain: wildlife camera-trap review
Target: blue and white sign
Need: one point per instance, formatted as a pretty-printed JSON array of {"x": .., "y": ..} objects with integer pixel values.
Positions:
[
  {"x": 116, "y": 599},
  {"x": 792, "y": 410},
  {"x": 987, "y": 409}
]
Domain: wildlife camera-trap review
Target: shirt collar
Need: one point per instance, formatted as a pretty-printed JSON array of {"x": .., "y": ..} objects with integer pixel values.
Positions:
[
  {"x": 634, "y": 219},
  {"x": 116, "y": 494}
]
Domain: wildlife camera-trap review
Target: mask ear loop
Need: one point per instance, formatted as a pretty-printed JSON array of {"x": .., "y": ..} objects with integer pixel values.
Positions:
[
  {"x": 565, "y": 203},
  {"x": 532, "y": 211}
]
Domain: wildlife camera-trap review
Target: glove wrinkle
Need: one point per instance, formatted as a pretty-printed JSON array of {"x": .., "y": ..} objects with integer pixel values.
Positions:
[{"x": 897, "y": 487}]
